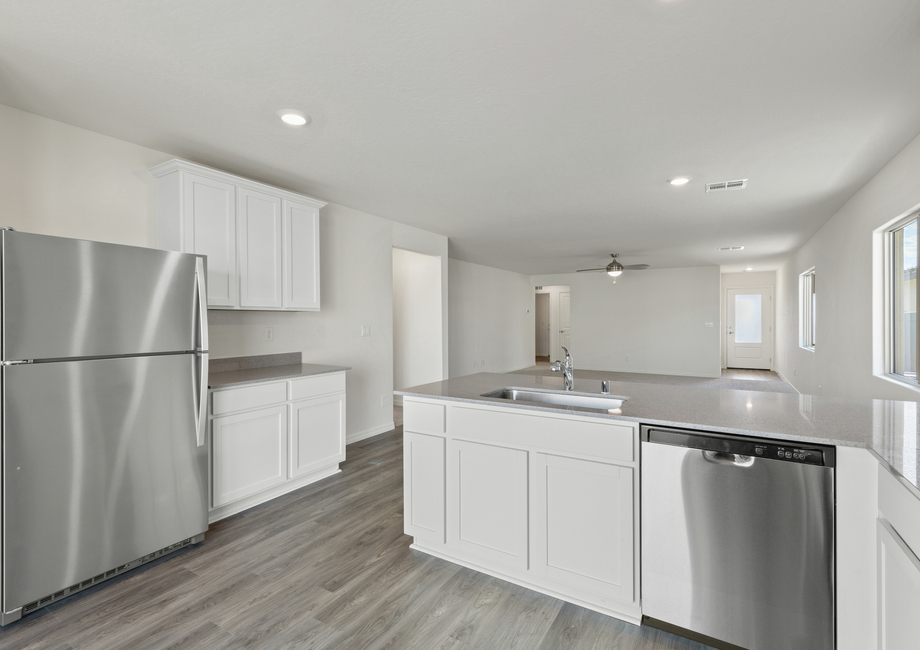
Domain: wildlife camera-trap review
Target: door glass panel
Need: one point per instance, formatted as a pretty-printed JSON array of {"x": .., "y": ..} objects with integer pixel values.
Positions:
[
  {"x": 748, "y": 319},
  {"x": 904, "y": 287}
]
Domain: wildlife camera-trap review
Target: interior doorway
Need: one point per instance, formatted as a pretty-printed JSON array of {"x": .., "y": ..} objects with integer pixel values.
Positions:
[
  {"x": 417, "y": 332},
  {"x": 554, "y": 324},
  {"x": 541, "y": 325}
]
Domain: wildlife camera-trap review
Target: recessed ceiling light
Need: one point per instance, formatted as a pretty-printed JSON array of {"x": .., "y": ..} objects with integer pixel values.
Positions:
[
  {"x": 293, "y": 117},
  {"x": 680, "y": 180},
  {"x": 750, "y": 268}
]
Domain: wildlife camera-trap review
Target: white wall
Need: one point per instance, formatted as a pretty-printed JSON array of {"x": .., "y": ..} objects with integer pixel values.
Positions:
[
  {"x": 416, "y": 319},
  {"x": 429, "y": 243},
  {"x": 655, "y": 317},
  {"x": 57, "y": 179},
  {"x": 849, "y": 312},
  {"x": 491, "y": 319},
  {"x": 743, "y": 281}
]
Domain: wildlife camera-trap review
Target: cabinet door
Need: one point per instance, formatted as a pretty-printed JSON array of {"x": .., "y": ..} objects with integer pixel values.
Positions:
[
  {"x": 487, "y": 502},
  {"x": 301, "y": 256},
  {"x": 424, "y": 458},
  {"x": 317, "y": 434},
  {"x": 249, "y": 453},
  {"x": 209, "y": 221},
  {"x": 584, "y": 525},
  {"x": 260, "y": 249},
  {"x": 898, "y": 591}
]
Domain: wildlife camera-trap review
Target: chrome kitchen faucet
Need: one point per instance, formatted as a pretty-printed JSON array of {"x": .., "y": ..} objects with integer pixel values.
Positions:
[{"x": 567, "y": 367}]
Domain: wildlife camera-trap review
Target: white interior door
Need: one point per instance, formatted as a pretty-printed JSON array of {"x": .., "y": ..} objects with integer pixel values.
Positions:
[
  {"x": 749, "y": 333},
  {"x": 565, "y": 335},
  {"x": 542, "y": 324}
]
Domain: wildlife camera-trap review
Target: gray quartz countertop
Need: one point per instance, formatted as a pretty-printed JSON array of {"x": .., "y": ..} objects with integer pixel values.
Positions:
[
  {"x": 888, "y": 428},
  {"x": 244, "y": 376}
]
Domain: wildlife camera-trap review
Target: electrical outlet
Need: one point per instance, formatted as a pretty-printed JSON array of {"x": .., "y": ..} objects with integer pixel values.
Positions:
[
  {"x": 269, "y": 333},
  {"x": 482, "y": 363},
  {"x": 365, "y": 330},
  {"x": 708, "y": 324},
  {"x": 474, "y": 363},
  {"x": 383, "y": 400}
]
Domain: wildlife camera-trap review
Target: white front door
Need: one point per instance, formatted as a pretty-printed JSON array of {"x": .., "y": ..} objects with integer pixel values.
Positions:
[
  {"x": 565, "y": 335},
  {"x": 749, "y": 330}
]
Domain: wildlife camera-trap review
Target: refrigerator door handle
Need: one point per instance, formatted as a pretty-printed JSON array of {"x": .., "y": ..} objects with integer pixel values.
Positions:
[
  {"x": 201, "y": 423},
  {"x": 201, "y": 283}
]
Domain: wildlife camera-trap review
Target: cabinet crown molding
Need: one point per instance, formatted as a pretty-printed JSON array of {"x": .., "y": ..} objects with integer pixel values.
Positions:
[{"x": 177, "y": 164}]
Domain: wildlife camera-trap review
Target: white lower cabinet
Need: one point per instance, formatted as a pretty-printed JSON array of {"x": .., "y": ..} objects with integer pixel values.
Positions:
[
  {"x": 898, "y": 565},
  {"x": 898, "y": 591},
  {"x": 487, "y": 502},
  {"x": 546, "y": 501},
  {"x": 249, "y": 453},
  {"x": 424, "y": 505},
  {"x": 271, "y": 438},
  {"x": 583, "y": 525},
  {"x": 317, "y": 434}
]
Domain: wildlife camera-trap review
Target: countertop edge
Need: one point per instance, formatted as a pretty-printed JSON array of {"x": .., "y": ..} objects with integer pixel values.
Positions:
[{"x": 306, "y": 370}]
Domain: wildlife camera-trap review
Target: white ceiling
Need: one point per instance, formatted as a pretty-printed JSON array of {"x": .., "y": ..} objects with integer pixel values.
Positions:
[{"x": 537, "y": 135}]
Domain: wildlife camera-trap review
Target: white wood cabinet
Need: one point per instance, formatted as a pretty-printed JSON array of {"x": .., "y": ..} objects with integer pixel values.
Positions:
[
  {"x": 317, "y": 434},
  {"x": 584, "y": 525},
  {"x": 487, "y": 502},
  {"x": 211, "y": 231},
  {"x": 546, "y": 501},
  {"x": 898, "y": 591},
  {"x": 262, "y": 242},
  {"x": 259, "y": 228},
  {"x": 424, "y": 486},
  {"x": 249, "y": 453},
  {"x": 270, "y": 438},
  {"x": 898, "y": 564}
]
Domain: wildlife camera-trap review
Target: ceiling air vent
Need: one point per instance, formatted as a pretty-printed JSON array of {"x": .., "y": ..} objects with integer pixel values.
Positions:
[
  {"x": 731, "y": 248},
  {"x": 726, "y": 185}
]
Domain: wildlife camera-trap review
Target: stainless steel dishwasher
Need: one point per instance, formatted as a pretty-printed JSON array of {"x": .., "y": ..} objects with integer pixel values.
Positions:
[{"x": 738, "y": 539}]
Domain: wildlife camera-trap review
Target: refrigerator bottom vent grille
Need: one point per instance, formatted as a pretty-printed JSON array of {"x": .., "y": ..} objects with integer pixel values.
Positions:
[{"x": 80, "y": 586}]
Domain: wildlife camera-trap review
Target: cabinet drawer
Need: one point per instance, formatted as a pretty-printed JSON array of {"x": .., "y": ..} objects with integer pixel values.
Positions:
[
  {"x": 247, "y": 397},
  {"x": 423, "y": 418},
  {"x": 317, "y": 385},
  {"x": 596, "y": 438},
  {"x": 900, "y": 507}
]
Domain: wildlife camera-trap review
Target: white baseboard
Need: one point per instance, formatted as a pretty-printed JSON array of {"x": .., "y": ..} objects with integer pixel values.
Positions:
[
  {"x": 787, "y": 381},
  {"x": 368, "y": 433}
]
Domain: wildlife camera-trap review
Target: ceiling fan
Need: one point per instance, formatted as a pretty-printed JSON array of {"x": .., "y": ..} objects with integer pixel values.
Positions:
[{"x": 615, "y": 268}]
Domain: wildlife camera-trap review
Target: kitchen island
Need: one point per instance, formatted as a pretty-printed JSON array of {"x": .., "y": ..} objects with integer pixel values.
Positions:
[{"x": 547, "y": 496}]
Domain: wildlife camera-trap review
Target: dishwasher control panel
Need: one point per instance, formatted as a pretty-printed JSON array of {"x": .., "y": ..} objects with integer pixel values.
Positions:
[{"x": 790, "y": 453}]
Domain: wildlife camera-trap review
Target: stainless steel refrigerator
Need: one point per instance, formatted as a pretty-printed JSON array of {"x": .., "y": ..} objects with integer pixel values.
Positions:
[{"x": 104, "y": 388}]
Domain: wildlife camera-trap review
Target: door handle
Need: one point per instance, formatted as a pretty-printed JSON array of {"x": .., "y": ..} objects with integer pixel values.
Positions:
[
  {"x": 724, "y": 458},
  {"x": 201, "y": 424}
]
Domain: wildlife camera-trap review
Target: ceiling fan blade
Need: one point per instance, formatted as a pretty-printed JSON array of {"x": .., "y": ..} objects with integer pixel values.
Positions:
[
  {"x": 636, "y": 267},
  {"x": 603, "y": 268}
]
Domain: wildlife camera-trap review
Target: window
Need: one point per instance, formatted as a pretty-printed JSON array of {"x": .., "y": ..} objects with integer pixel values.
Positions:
[
  {"x": 807, "y": 309},
  {"x": 902, "y": 299}
]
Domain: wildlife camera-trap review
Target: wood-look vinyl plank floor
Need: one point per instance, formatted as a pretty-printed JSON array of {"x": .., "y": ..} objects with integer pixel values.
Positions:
[{"x": 325, "y": 568}]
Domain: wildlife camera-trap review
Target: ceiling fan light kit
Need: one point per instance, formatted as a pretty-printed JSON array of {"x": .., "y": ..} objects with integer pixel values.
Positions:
[{"x": 614, "y": 269}]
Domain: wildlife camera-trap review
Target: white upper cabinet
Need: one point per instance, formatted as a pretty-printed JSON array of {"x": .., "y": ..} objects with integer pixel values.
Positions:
[
  {"x": 259, "y": 226},
  {"x": 262, "y": 242},
  {"x": 300, "y": 238}
]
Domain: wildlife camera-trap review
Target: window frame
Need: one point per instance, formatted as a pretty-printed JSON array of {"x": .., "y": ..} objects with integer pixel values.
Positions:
[
  {"x": 892, "y": 301},
  {"x": 807, "y": 309}
]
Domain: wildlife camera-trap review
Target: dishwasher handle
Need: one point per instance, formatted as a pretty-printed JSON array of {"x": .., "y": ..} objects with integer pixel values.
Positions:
[{"x": 724, "y": 458}]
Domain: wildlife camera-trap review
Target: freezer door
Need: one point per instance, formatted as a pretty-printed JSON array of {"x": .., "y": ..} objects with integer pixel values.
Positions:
[
  {"x": 100, "y": 466},
  {"x": 73, "y": 298}
]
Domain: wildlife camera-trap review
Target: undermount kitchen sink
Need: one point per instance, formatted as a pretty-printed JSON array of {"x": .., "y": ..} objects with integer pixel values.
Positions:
[{"x": 596, "y": 402}]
